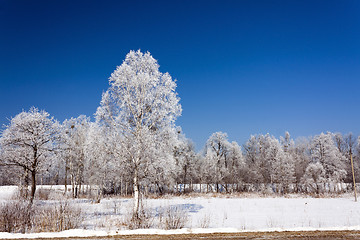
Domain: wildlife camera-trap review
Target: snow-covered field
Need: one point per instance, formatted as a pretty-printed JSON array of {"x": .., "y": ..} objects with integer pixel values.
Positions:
[{"x": 216, "y": 214}]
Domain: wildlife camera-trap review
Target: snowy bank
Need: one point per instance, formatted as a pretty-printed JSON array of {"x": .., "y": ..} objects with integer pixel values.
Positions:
[{"x": 98, "y": 233}]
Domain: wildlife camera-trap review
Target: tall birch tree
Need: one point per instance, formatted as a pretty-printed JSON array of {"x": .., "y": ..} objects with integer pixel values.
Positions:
[{"x": 141, "y": 107}]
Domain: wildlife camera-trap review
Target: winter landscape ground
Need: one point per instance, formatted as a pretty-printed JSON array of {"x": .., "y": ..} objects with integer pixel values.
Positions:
[{"x": 203, "y": 213}]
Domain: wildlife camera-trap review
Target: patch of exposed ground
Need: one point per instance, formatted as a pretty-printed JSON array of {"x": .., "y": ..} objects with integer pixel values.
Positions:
[{"x": 319, "y": 235}]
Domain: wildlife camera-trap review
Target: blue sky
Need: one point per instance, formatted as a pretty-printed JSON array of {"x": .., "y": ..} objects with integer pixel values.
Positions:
[{"x": 242, "y": 67}]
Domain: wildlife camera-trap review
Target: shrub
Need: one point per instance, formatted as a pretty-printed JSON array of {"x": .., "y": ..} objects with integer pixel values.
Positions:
[
  {"x": 18, "y": 216},
  {"x": 15, "y": 216},
  {"x": 174, "y": 218},
  {"x": 204, "y": 222},
  {"x": 142, "y": 220},
  {"x": 59, "y": 217}
]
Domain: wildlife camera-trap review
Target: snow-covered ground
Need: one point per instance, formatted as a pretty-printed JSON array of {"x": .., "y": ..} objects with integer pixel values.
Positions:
[{"x": 216, "y": 214}]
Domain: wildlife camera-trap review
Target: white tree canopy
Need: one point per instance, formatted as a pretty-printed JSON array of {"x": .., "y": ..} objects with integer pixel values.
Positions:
[
  {"x": 140, "y": 97},
  {"x": 224, "y": 159},
  {"x": 324, "y": 151},
  {"x": 29, "y": 141}
]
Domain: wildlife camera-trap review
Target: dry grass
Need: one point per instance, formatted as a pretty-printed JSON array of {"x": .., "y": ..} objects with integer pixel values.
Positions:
[{"x": 253, "y": 195}]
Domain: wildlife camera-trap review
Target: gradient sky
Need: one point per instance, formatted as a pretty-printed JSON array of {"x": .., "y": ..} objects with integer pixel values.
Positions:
[{"x": 242, "y": 67}]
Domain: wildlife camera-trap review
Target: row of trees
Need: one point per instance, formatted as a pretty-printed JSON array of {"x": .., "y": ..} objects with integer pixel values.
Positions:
[
  {"x": 134, "y": 142},
  {"x": 78, "y": 152},
  {"x": 308, "y": 163}
]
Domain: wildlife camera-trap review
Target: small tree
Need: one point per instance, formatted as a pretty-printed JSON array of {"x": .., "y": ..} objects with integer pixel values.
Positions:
[
  {"x": 185, "y": 156},
  {"x": 225, "y": 159},
  {"x": 253, "y": 161},
  {"x": 301, "y": 159},
  {"x": 101, "y": 166},
  {"x": 284, "y": 167},
  {"x": 324, "y": 151},
  {"x": 314, "y": 176},
  {"x": 28, "y": 142},
  {"x": 216, "y": 153},
  {"x": 74, "y": 135}
]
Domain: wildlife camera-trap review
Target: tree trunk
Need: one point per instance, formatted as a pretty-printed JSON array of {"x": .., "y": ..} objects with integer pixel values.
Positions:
[
  {"x": 33, "y": 186},
  {"x": 136, "y": 194},
  {"x": 317, "y": 189},
  {"x": 184, "y": 179},
  {"x": 65, "y": 179},
  {"x": 24, "y": 190},
  {"x": 76, "y": 191}
]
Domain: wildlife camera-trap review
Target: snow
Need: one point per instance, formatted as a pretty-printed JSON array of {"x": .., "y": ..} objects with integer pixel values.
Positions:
[
  {"x": 217, "y": 214},
  {"x": 265, "y": 213},
  {"x": 6, "y": 192}
]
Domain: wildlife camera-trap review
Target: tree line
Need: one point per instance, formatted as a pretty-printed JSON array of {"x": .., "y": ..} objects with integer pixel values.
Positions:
[{"x": 134, "y": 143}]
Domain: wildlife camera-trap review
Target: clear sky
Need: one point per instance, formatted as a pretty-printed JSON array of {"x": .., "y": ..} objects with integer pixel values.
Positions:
[{"x": 242, "y": 67}]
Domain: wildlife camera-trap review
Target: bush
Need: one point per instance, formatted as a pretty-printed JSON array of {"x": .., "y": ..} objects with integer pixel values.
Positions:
[
  {"x": 205, "y": 221},
  {"x": 142, "y": 220},
  {"x": 59, "y": 217},
  {"x": 18, "y": 216},
  {"x": 174, "y": 218},
  {"x": 15, "y": 216}
]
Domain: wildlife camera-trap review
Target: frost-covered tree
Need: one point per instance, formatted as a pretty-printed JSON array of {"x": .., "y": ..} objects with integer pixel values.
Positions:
[
  {"x": 273, "y": 154},
  {"x": 261, "y": 152},
  {"x": 205, "y": 169},
  {"x": 340, "y": 142},
  {"x": 283, "y": 170},
  {"x": 101, "y": 171},
  {"x": 253, "y": 163},
  {"x": 284, "y": 167},
  {"x": 301, "y": 154},
  {"x": 224, "y": 158},
  {"x": 324, "y": 151},
  {"x": 216, "y": 153},
  {"x": 269, "y": 161},
  {"x": 314, "y": 176},
  {"x": 75, "y": 133},
  {"x": 235, "y": 164},
  {"x": 286, "y": 142},
  {"x": 29, "y": 142},
  {"x": 96, "y": 153},
  {"x": 140, "y": 107},
  {"x": 185, "y": 157},
  {"x": 279, "y": 159},
  {"x": 346, "y": 145}
]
